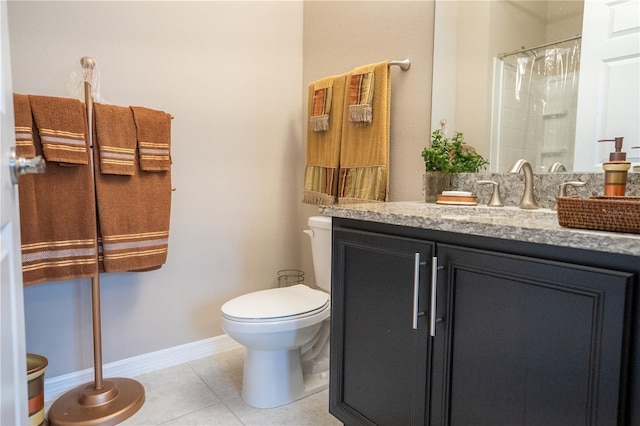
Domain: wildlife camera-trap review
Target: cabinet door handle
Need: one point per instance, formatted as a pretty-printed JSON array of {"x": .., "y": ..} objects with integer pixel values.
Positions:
[
  {"x": 416, "y": 289},
  {"x": 434, "y": 283}
]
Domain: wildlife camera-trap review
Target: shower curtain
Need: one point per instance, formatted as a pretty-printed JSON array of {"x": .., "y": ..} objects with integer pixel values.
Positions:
[{"x": 535, "y": 103}]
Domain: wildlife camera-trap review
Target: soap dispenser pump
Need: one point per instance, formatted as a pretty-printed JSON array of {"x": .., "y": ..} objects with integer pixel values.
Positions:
[{"x": 615, "y": 170}]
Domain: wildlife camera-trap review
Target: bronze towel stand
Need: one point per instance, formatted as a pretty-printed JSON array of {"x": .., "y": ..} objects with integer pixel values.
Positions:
[{"x": 103, "y": 402}]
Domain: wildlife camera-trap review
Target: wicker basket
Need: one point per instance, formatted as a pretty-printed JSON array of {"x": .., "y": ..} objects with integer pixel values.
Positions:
[{"x": 619, "y": 214}]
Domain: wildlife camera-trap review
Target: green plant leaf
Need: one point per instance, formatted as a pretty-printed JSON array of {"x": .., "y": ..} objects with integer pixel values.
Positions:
[{"x": 452, "y": 155}]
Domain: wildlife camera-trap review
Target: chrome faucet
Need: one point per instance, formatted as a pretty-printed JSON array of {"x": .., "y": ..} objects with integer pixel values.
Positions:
[
  {"x": 528, "y": 201},
  {"x": 562, "y": 191},
  {"x": 557, "y": 167}
]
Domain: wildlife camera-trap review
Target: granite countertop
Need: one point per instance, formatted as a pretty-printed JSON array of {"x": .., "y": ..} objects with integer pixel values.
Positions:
[{"x": 511, "y": 223}]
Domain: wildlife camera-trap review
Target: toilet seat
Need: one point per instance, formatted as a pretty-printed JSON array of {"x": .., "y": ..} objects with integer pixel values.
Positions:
[{"x": 276, "y": 304}]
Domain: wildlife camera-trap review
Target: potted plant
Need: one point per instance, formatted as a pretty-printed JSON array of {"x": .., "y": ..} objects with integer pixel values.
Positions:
[{"x": 447, "y": 156}]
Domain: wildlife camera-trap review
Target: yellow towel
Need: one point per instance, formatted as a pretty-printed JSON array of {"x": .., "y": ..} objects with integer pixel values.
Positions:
[
  {"x": 361, "y": 90},
  {"x": 57, "y": 214},
  {"x": 364, "y": 152},
  {"x": 133, "y": 211},
  {"x": 24, "y": 126},
  {"x": 154, "y": 139},
  {"x": 324, "y": 132},
  {"x": 115, "y": 139},
  {"x": 62, "y": 124}
]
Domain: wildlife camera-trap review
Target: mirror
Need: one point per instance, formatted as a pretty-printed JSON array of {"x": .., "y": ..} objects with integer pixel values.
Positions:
[{"x": 469, "y": 35}]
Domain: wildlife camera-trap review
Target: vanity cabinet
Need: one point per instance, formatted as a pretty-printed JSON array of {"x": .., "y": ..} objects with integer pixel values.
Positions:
[
  {"x": 525, "y": 334},
  {"x": 527, "y": 341},
  {"x": 379, "y": 373}
]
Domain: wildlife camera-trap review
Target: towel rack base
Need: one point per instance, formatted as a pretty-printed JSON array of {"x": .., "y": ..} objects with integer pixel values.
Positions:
[{"x": 85, "y": 405}]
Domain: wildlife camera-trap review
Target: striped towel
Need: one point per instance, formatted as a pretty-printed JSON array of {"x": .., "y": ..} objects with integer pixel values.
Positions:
[
  {"x": 154, "y": 139},
  {"x": 324, "y": 132},
  {"x": 62, "y": 124},
  {"x": 321, "y": 105},
  {"x": 134, "y": 214},
  {"x": 364, "y": 151},
  {"x": 361, "y": 88},
  {"x": 24, "y": 126},
  {"x": 116, "y": 139},
  {"x": 57, "y": 211}
]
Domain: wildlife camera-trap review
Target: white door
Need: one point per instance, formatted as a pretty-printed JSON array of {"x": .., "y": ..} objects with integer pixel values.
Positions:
[
  {"x": 13, "y": 360},
  {"x": 609, "y": 91}
]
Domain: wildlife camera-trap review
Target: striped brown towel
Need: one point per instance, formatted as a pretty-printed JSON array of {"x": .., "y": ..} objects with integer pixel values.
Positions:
[
  {"x": 58, "y": 217},
  {"x": 134, "y": 215},
  {"x": 24, "y": 126},
  {"x": 62, "y": 124},
  {"x": 116, "y": 139},
  {"x": 154, "y": 139}
]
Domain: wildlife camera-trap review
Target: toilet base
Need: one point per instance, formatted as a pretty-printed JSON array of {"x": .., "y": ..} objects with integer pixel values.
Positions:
[{"x": 274, "y": 378}]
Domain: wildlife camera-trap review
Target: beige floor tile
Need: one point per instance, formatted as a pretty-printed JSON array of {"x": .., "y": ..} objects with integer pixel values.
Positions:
[
  {"x": 222, "y": 372},
  {"x": 171, "y": 393},
  {"x": 310, "y": 411},
  {"x": 215, "y": 415},
  {"x": 207, "y": 392}
]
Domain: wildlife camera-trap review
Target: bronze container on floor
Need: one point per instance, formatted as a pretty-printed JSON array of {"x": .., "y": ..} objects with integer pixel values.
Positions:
[{"x": 36, "y": 365}]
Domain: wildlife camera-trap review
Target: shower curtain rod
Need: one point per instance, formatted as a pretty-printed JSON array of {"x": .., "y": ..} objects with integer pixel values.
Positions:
[{"x": 515, "y": 52}]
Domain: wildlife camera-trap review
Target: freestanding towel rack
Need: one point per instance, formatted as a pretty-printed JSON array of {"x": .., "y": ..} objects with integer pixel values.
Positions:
[{"x": 103, "y": 402}]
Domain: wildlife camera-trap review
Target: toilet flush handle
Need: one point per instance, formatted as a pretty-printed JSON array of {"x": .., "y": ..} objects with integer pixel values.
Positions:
[{"x": 309, "y": 232}]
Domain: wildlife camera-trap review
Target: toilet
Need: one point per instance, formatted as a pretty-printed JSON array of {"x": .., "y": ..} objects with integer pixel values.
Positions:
[{"x": 285, "y": 331}]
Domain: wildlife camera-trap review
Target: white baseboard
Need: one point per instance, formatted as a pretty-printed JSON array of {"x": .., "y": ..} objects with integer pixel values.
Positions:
[{"x": 141, "y": 364}]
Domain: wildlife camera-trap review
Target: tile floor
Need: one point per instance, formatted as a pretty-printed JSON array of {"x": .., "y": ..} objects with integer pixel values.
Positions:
[{"x": 207, "y": 392}]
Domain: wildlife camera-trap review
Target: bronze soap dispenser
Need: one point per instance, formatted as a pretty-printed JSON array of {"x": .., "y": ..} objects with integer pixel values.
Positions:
[{"x": 615, "y": 170}]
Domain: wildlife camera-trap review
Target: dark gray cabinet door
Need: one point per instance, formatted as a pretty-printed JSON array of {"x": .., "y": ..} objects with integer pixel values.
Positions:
[
  {"x": 379, "y": 362},
  {"x": 525, "y": 341}
]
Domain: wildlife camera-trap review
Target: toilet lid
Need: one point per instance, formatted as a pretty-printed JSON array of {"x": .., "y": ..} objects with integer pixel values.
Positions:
[{"x": 276, "y": 302}]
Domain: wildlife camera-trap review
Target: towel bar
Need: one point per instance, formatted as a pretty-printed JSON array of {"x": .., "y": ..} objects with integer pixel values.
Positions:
[{"x": 404, "y": 64}]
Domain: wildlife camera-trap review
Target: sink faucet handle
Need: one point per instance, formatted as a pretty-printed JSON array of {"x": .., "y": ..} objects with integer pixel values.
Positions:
[
  {"x": 562, "y": 190},
  {"x": 496, "y": 199}
]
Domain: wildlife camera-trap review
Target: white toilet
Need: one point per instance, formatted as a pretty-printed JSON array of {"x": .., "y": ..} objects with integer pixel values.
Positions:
[{"x": 286, "y": 332}]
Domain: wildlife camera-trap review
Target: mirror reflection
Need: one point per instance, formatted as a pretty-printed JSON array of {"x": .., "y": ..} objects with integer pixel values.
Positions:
[
  {"x": 535, "y": 93},
  {"x": 507, "y": 73}
]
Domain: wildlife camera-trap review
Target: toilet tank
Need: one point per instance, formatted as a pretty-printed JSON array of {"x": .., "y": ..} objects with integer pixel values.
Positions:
[{"x": 320, "y": 233}]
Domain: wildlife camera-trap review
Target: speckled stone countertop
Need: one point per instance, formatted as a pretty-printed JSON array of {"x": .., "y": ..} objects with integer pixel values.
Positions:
[{"x": 537, "y": 226}]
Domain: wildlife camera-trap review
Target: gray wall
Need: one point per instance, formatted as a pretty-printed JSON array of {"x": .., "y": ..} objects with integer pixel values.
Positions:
[{"x": 234, "y": 75}]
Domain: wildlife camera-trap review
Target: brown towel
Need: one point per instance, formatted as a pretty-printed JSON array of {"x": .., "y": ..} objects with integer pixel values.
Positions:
[
  {"x": 133, "y": 212},
  {"x": 24, "y": 126},
  {"x": 62, "y": 124},
  {"x": 324, "y": 132},
  {"x": 154, "y": 139},
  {"x": 57, "y": 214},
  {"x": 116, "y": 139},
  {"x": 364, "y": 151}
]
